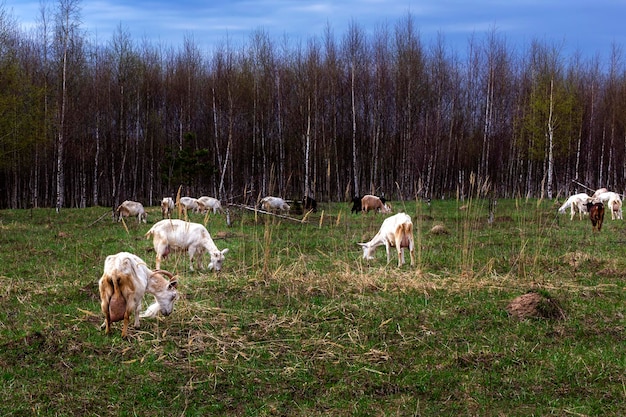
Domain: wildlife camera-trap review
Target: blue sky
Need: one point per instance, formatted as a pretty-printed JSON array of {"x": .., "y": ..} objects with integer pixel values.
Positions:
[{"x": 590, "y": 26}]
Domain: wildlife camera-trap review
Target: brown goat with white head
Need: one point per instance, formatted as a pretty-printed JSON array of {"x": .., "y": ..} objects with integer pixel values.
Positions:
[
  {"x": 396, "y": 231},
  {"x": 125, "y": 280}
]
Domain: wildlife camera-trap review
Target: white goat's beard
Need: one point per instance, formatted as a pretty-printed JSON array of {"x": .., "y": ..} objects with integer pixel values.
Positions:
[{"x": 151, "y": 311}]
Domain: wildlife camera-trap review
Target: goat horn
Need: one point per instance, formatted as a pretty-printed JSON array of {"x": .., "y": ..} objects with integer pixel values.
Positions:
[{"x": 164, "y": 272}]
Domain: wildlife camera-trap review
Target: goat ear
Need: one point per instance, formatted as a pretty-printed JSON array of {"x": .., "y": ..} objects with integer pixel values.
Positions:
[
  {"x": 362, "y": 244},
  {"x": 173, "y": 284},
  {"x": 224, "y": 251}
]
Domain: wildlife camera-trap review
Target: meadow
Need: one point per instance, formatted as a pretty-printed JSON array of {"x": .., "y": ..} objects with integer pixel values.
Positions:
[{"x": 297, "y": 324}]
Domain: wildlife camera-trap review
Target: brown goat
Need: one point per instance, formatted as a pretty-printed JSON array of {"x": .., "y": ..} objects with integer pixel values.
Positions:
[
  {"x": 596, "y": 214},
  {"x": 371, "y": 202}
]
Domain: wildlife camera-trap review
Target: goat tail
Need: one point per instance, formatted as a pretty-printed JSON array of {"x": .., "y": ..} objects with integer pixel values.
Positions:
[{"x": 149, "y": 233}]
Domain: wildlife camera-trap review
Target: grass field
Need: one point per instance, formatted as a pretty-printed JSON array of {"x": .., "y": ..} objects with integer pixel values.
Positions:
[{"x": 297, "y": 324}]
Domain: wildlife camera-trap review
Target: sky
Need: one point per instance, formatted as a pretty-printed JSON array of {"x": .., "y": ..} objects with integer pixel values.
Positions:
[{"x": 591, "y": 27}]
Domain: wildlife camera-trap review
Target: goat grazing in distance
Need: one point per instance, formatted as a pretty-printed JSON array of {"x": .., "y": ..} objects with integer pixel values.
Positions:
[
  {"x": 274, "y": 204},
  {"x": 576, "y": 203},
  {"x": 125, "y": 280},
  {"x": 209, "y": 203},
  {"x": 131, "y": 209},
  {"x": 396, "y": 231},
  {"x": 371, "y": 202},
  {"x": 179, "y": 235},
  {"x": 188, "y": 203},
  {"x": 596, "y": 214},
  {"x": 167, "y": 207}
]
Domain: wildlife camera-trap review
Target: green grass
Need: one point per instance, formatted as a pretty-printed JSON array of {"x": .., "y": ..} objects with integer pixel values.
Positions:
[{"x": 297, "y": 324}]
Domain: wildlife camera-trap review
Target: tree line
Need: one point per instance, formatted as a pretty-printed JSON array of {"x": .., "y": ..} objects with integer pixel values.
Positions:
[{"x": 87, "y": 123}]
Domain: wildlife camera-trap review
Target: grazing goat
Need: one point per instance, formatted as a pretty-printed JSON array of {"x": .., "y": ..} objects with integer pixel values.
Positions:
[
  {"x": 188, "y": 203},
  {"x": 167, "y": 207},
  {"x": 371, "y": 202},
  {"x": 612, "y": 201},
  {"x": 274, "y": 204},
  {"x": 179, "y": 235},
  {"x": 309, "y": 203},
  {"x": 207, "y": 203},
  {"x": 596, "y": 214},
  {"x": 356, "y": 205},
  {"x": 396, "y": 231},
  {"x": 131, "y": 209},
  {"x": 576, "y": 203},
  {"x": 125, "y": 280}
]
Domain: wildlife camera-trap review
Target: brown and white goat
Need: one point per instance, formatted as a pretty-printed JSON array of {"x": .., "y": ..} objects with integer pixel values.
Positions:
[
  {"x": 209, "y": 203},
  {"x": 371, "y": 202},
  {"x": 125, "y": 280},
  {"x": 131, "y": 209},
  {"x": 167, "y": 207},
  {"x": 179, "y": 235},
  {"x": 596, "y": 214},
  {"x": 577, "y": 203},
  {"x": 274, "y": 204},
  {"x": 396, "y": 231}
]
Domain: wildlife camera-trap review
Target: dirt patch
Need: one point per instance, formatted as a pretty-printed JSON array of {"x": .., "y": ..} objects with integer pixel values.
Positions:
[{"x": 535, "y": 305}]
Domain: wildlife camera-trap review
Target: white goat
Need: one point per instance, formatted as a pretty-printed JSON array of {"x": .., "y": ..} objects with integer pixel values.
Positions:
[
  {"x": 189, "y": 203},
  {"x": 613, "y": 201},
  {"x": 273, "y": 204},
  {"x": 598, "y": 192},
  {"x": 125, "y": 280},
  {"x": 167, "y": 207},
  {"x": 576, "y": 203},
  {"x": 131, "y": 209},
  {"x": 372, "y": 202},
  {"x": 206, "y": 203},
  {"x": 179, "y": 235},
  {"x": 397, "y": 231}
]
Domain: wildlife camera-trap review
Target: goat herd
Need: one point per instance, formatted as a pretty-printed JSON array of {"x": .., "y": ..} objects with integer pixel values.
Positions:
[
  {"x": 594, "y": 206},
  {"x": 126, "y": 277}
]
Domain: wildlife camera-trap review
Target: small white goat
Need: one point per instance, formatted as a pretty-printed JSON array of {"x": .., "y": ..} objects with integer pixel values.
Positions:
[
  {"x": 167, "y": 207},
  {"x": 207, "y": 203},
  {"x": 613, "y": 201},
  {"x": 576, "y": 203},
  {"x": 396, "y": 231},
  {"x": 371, "y": 202},
  {"x": 179, "y": 235},
  {"x": 131, "y": 209},
  {"x": 273, "y": 204},
  {"x": 189, "y": 203},
  {"x": 125, "y": 280}
]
